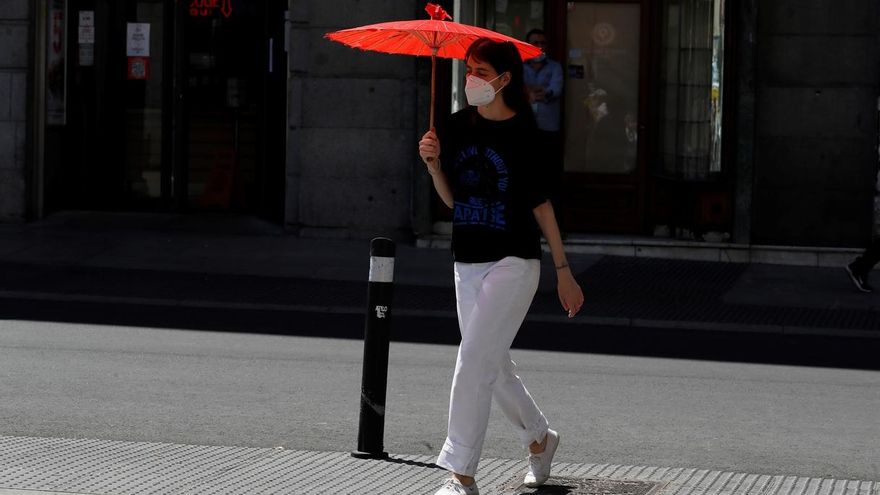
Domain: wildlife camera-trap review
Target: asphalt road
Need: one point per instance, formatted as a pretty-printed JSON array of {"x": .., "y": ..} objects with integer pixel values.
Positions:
[{"x": 249, "y": 389}]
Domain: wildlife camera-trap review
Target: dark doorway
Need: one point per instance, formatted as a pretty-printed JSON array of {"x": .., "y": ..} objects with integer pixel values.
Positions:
[
  {"x": 231, "y": 67},
  {"x": 172, "y": 106}
]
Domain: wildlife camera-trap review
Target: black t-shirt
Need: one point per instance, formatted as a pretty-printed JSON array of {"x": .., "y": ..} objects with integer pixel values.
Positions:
[{"x": 494, "y": 172}]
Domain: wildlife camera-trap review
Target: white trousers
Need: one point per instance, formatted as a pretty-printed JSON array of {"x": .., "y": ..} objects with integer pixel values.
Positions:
[{"x": 493, "y": 299}]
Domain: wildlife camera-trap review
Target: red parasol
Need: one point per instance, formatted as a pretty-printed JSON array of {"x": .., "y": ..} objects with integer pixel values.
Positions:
[{"x": 436, "y": 37}]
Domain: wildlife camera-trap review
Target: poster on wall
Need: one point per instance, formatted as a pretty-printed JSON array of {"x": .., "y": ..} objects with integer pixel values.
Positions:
[
  {"x": 137, "y": 39},
  {"x": 86, "y": 38},
  {"x": 137, "y": 48},
  {"x": 56, "y": 69}
]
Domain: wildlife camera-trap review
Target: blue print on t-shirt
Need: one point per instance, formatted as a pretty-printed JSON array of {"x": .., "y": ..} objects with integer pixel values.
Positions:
[{"x": 482, "y": 182}]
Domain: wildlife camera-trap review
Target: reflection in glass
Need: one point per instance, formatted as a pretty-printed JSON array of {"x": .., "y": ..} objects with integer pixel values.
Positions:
[
  {"x": 143, "y": 112},
  {"x": 225, "y": 68},
  {"x": 514, "y": 18},
  {"x": 691, "y": 88},
  {"x": 602, "y": 88}
]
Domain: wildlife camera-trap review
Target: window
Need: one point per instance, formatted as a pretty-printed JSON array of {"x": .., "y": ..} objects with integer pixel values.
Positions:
[
  {"x": 515, "y": 18},
  {"x": 691, "y": 88}
]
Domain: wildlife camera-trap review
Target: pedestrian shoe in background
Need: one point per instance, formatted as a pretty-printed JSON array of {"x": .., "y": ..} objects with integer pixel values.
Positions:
[
  {"x": 454, "y": 487},
  {"x": 539, "y": 464},
  {"x": 859, "y": 279}
]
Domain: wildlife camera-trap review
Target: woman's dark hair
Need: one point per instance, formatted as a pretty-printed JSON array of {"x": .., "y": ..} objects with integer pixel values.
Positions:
[{"x": 504, "y": 57}]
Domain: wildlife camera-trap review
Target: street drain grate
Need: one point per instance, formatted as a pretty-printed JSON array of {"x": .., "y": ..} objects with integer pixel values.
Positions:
[{"x": 558, "y": 485}]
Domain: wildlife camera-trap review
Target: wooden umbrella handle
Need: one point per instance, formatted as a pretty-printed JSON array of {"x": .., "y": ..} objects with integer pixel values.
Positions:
[{"x": 433, "y": 86}]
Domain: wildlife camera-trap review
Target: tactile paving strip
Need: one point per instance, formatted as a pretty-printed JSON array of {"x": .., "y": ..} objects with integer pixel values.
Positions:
[{"x": 100, "y": 467}]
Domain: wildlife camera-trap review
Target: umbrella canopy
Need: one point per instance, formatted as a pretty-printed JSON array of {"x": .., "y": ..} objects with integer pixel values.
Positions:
[
  {"x": 434, "y": 37},
  {"x": 428, "y": 37}
]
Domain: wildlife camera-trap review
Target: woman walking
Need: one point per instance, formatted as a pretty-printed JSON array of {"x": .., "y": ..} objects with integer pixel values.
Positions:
[{"x": 489, "y": 171}]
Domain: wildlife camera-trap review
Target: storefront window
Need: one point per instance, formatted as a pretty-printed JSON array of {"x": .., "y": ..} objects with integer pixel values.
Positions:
[
  {"x": 144, "y": 100},
  {"x": 515, "y": 18},
  {"x": 56, "y": 67},
  {"x": 602, "y": 88},
  {"x": 691, "y": 88}
]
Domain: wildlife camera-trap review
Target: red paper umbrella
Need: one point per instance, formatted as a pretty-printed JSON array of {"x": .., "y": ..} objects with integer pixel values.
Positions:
[{"x": 436, "y": 37}]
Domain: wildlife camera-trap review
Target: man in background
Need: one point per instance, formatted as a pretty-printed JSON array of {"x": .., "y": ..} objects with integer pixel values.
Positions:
[{"x": 543, "y": 78}]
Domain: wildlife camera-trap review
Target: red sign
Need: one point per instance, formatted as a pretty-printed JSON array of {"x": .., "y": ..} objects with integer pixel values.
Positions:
[
  {"x": 138, "y": 68},
  {"x": 207, "y": 8}
]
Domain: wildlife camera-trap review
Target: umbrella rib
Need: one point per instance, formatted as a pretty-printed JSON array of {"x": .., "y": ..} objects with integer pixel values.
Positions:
[{"x": 383, "y": 39}]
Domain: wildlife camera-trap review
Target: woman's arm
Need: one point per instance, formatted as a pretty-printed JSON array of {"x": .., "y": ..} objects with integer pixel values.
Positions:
[
  {"x": 441, "y": 185},
  {"x": 429, "y": 150},
  {"x": 570, "y": 294}
]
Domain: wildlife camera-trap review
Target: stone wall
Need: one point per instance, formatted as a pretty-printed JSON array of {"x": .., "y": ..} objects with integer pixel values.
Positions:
[
  {"x": 815, "y": 122},
  {"x": 352, "y": 124},
  {"x": 14, "y": 36}
]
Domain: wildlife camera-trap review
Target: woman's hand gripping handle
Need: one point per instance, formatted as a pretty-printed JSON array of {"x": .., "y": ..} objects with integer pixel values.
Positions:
[{"x": 429, "y": 150}]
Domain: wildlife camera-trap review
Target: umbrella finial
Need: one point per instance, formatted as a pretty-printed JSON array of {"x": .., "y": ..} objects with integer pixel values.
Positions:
[{"x": 437, "y": 13}]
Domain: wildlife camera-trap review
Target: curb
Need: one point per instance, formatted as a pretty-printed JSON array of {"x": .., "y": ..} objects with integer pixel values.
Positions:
[{"x": 585, "y": 320}]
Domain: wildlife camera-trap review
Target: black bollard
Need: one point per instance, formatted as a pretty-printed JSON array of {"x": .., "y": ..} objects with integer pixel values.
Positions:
[{"x": 377, "y": 335}]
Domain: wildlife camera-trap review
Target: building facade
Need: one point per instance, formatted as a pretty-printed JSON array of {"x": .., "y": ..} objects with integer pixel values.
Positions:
[
  {"x": 719, "y": 120},
  {"x": 15, "y": 67}
]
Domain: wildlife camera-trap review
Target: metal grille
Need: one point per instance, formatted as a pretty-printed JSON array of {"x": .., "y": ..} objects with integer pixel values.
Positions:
[{"x": 579, "y": 486}]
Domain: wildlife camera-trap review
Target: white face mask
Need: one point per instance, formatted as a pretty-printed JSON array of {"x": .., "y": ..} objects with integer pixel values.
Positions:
[{"x": 478, "y": 91}]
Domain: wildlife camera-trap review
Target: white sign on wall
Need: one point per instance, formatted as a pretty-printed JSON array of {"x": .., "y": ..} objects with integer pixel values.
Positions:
[
  {"x": 86, "y": 38},
  {"x": 86, "y": 34},
  {"x": 138, "y": 39}
]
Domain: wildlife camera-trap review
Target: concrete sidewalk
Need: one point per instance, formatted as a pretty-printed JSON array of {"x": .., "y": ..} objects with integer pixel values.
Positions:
[
  {"x": 245, "y": 263},
  {"x": 242, "y": 262},
  {"x": 33, "y": 466}
]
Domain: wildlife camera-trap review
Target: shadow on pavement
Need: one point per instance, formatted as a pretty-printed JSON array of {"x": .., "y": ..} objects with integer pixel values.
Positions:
[
  {"x": 800, "y": 350},
  {"x": 428, "y": 465}
]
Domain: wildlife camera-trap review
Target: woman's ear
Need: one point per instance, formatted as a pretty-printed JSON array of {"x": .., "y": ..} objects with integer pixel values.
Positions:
[{"x": 505, "y": 78}]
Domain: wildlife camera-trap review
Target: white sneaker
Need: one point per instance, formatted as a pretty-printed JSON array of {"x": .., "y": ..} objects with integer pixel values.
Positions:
[
  {"x": 454, "y": 487},
  {"x": 539, "y": 464}
]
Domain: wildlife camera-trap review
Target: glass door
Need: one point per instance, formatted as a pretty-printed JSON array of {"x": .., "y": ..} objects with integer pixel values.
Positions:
[
  {"x": 604, "y": 181},
  {"x": 170, "y": 106},
  {"x": 146, "y": 121},
  {"x": 224, "y": 63},
  {"x": 110, "y": 150}
]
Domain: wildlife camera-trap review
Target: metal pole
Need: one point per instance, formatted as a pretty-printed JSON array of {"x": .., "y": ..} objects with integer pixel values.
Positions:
[{"x": 376, "y": 342}]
